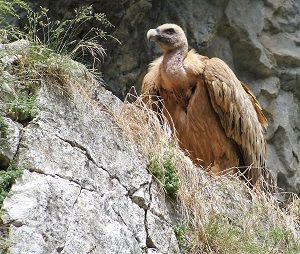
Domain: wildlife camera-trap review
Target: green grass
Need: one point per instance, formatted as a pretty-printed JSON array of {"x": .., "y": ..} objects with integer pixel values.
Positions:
[
  {"x": 63, "y": 36},
  {"x": 221, "y": 235}
]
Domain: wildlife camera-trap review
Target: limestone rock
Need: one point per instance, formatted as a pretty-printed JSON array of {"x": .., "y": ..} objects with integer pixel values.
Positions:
[
  {"x": 86, "y": 188},
  {"x": 9, "y": 140},
  {"x": 260, "y": 40}
]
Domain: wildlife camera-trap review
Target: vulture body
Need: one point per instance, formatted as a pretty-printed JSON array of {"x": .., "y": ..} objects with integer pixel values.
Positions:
[{"x": 216, "y": 118}]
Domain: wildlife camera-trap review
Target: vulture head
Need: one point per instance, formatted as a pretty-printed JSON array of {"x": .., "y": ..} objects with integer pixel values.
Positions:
[{"x": 169, "y": 37}]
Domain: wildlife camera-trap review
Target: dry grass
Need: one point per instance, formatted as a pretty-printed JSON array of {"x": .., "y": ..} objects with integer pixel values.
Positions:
[
  {"x": 140, "y": 124},
  {"x": 220, "y": 214}
]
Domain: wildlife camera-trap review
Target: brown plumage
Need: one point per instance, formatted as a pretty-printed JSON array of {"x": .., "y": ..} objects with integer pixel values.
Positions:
[{"x": 216, "y": 117}]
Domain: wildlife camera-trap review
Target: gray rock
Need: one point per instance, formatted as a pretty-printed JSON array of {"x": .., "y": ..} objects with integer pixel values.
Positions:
[
  {"x": 9, "y": 145},
  {"x": 86, "y": 188},
  {"x": 40, "y": 209},
  {"x": 167, "y": 241}
]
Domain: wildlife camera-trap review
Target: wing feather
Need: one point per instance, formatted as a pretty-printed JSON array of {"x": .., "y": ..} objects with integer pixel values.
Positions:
[
  {"x": 261, "y": 117},
  {"x": 239, "y": 112}
]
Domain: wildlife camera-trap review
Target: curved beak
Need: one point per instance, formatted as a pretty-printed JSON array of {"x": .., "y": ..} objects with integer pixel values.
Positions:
[{"x": 152, "y": 35}]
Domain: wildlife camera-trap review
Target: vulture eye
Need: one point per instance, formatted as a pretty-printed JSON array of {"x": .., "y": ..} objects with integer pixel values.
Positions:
[{"x": 170, "y": 31}]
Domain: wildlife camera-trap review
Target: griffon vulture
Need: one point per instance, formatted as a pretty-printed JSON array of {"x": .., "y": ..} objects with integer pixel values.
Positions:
[{"x": 216, "y": 117}]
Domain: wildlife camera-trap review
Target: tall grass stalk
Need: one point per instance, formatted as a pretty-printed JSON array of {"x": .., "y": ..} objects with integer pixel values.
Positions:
[{"x": 63, "y": 37}]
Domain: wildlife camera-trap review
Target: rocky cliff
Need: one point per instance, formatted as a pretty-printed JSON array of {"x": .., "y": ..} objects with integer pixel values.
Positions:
[
  {"x": 85, "y": 188},
  {"x": 259, "y": 40}
]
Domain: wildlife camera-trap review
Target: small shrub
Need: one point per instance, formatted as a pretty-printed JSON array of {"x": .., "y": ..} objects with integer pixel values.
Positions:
[
  {"x": 155, "y": 168},
  {"x": 23, "y": 108},
  {"x": 171, "y": 176},
  {"x": 181, "y": 232},
  {"x": 7, "y": 179},
  {"x": 3, "y": 129},
  {"x": 8, "y": 8},
  {"x": 165, "y": 172}
]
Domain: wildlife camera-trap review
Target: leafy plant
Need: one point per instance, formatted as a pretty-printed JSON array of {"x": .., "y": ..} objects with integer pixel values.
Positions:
[
  {"x": 3, "y": 132},
  {"x": 171, "y": 176},
  {"x": 165, "y": 172},
  {"x": 7, "y": 178},
  {"x": 9, "y": 8},
  {"x": 181, "y": 235},
  {"x": 23, "y": 108},
  {"x": 9, "y": 32}
]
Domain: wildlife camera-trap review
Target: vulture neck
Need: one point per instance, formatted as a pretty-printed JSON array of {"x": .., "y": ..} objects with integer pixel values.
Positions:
[{"x": 172, "y": 63}]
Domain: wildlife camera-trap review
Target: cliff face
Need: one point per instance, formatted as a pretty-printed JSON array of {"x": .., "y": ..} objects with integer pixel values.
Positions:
[
  {"x": 85, "y": 188},
  {"x": 258, "y": 39}
]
